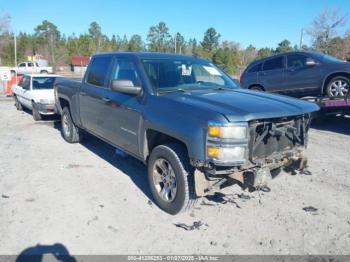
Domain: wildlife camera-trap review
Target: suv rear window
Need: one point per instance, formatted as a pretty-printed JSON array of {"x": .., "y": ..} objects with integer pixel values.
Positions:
[
  {"x": 274, "y": 63},
  {"x": 255, "y": 68},
  {"x": 98, "y": 70}
]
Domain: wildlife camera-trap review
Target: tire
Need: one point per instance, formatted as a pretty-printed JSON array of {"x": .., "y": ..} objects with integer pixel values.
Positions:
[
  {"x": 70, "y": 132},
  {"x": 256, "y": 88},
  {"x": 35, "y": 112},
  {"x": 18, "y": 104},
  {"x": 176, "y": 156},
  {"x": 44, "y": 72},
  {"x": 338, "y": 86}
]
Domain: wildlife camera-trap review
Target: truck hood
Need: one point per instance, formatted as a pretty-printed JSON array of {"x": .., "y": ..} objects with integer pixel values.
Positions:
[
  {"x": 47, "y": 94},
  {"x": 244, "y": 105}
]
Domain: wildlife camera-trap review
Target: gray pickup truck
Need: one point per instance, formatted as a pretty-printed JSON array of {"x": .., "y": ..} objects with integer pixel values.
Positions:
[{"x": 189, "y": 122}]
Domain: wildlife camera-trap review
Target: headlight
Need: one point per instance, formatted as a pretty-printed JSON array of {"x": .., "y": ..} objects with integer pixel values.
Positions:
[
  {"x": 45, "y": 101},
  {"x": 234, "y": 154},
  {"x": 236, "y": 131}
]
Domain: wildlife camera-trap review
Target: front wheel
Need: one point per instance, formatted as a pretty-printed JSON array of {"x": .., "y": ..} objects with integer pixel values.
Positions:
[
  {"x": 338, "y": 86},
  {"x": 18, "y": 104},
  {"x": 35, "y": 112},
  {"x": 70, "y": 132},
  {"x": 256, "y": 88},
  {"x": 44, "y": 72},
  {"x": 171, "y": 178}
]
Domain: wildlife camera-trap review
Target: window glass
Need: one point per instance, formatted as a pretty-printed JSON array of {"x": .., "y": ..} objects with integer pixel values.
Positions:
[
  {"x": 30, "y": 64},
  {"x": 43, "y": 82},
  {"x": 296, "y": 61},
  {"x": 274, "y": 63},
  {"x": 167, "y": 74},
  {"x": 98, "y": 70},
  {"x": 22, "y": 65},
  {"x": 25, "y": 82},
  {"x": 255, "y": 68},
  {"x": 124, "y": 69}
]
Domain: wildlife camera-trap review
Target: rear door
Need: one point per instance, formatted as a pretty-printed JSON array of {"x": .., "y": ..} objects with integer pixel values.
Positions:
[
  {"x": 302, "y": 79},
  {"x": 91, "y": 95},
  {"x": 123, "y": 111},
  {"x": 23, "y": 91},
  {"x": 271, "y": 77}
]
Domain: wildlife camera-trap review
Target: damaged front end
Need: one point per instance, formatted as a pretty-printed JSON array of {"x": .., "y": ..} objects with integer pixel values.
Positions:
[{"x": 270, "y": 145}]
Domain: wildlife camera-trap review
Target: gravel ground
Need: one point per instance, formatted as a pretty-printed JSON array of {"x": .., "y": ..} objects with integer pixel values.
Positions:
[{"x": 91, "y": 201}]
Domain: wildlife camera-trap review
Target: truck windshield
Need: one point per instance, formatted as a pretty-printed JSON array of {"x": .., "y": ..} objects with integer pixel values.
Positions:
[
  {"x": 43, "y": 82},
  {"x": 191, "y": 74}
]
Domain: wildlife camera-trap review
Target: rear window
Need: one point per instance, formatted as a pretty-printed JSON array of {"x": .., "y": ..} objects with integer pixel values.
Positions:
[
  {"x": 255, "y": 68},
  {"x": 98, "y": 70},
  {"x": 272, "y": 64}
]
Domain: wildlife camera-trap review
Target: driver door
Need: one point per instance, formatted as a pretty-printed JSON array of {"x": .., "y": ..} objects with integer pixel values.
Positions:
[{"x": 123, "y": 111}]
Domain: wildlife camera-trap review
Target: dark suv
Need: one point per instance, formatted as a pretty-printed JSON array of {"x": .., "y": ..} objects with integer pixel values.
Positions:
[{"x": 299, "y": 74}]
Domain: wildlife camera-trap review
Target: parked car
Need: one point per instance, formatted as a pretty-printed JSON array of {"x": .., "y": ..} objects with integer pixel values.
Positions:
[
  {"x": 186, "y": 120},
  {"x": 35, "y": 92},
  {"x": 32, "y": 68},
  {"x": 299, "y": 74}
]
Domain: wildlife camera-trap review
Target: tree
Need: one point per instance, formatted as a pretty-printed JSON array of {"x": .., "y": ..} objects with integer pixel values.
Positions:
[
  {"x": 325, "y": 27},
  {"x": 136, "y": 43},
  {"x": 192, "y": 46},
  {"x": 210, "y": 40},
  {"x": 283, "y": 47},
  {"x": 264, "y": 52},
  {"x": 248, "y": 55},
  {"x": 159, "y": 39},
  {"x": 48, "y": 34},
  {"x": 95, "y": 33},
  {"x": 6, "y": 51},
  {"x": 179, "y": 43}
]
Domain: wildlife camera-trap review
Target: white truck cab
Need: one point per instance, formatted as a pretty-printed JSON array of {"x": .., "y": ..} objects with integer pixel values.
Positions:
[
  {"x": 36, "y": 92},
  {"x": 32, "y": 68}
]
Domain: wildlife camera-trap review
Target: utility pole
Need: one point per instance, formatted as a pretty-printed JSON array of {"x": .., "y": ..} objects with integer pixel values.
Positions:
[
  {"x": 175, "y": 41},
  {"x": 15, "y": 44},
  {"x": 301, "y": 38}
]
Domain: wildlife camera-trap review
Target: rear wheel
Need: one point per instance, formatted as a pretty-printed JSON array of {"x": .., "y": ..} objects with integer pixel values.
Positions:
[
  {"x": 338, "y": 86},
  {"x": 70, "y": 132},
  {"x": 171, "y": 178},
  {"x": 256, "y": 88},
  {"x": 44, "y": 72},
  {"x": 18, "y": 104},
  {"x": 35, "y": 112}
]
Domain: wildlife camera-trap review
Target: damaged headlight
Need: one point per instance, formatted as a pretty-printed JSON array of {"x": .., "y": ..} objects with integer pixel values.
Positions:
[
  {"x": 238, "y": 131},
  {"x": 234, "y": 154}
]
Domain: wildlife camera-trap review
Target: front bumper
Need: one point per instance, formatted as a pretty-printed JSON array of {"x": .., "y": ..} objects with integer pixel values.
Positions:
[{"x": 46, "y": 109}]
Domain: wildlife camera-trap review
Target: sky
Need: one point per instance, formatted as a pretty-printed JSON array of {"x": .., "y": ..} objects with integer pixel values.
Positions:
[{"x": 260, "y": 23}]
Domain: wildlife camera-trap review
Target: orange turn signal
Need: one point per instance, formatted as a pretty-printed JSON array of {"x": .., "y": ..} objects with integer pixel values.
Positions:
[
  {"x": 214, "y": 131},
  {"x": 213, "y": 152}
]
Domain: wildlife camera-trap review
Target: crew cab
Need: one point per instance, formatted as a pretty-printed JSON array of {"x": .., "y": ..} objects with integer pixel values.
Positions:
[
  {"x": 35, "y": 92},
  {"x": 32, "y": 68},
  {"x": 187, "y": 120}
]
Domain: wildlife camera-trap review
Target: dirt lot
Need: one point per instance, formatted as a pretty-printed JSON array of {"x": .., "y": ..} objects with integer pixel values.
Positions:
[{"x": 91, "y": 201}]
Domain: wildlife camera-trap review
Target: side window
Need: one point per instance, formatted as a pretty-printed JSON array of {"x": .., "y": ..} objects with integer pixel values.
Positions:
[
  {"x": 124, "y": 69},
  {"x": 274, "y": 63},
  {"x": 30, "y": 64},
  {"x": 255, "y": 68},
  {"x": 22, "y": 65},
  {"x": 296, "y": 61},
  {"x": 25, "y": 82},
  {"x": 98, "y": 70}
]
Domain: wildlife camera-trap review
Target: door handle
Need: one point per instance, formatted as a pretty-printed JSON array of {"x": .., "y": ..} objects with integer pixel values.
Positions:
[
  {"x": 106, "y": 100},
  {"x": 82, "y": 93}
]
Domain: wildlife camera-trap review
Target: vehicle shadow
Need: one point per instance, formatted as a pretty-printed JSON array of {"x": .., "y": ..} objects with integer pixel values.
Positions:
[
  {"x": 36, "y": 253},
  {"x": 129, "y": 165},
  {"x": 338, "y": 124}
]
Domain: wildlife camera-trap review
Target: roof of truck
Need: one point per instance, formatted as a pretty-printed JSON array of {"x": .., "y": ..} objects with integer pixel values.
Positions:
[{"x": 148, "y": 55}]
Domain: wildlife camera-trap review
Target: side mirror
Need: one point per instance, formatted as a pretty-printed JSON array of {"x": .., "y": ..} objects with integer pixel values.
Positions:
[
  {"x": 125, "y": 86},
  {"x": 310, "y": 62}
]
